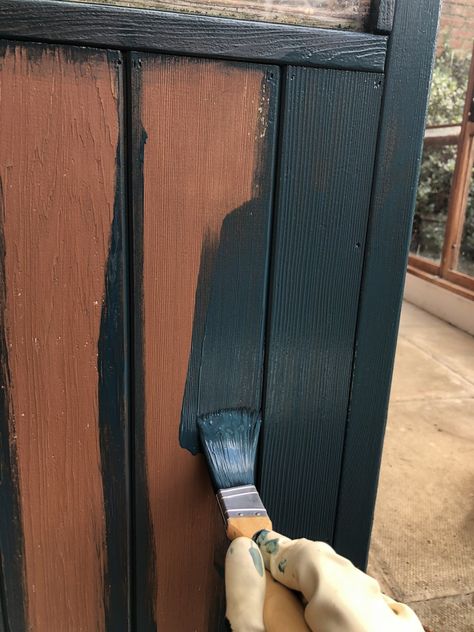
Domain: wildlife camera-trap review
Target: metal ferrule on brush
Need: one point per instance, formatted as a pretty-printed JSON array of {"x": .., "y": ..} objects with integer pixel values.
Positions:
[{"x": 239, "y": 502}]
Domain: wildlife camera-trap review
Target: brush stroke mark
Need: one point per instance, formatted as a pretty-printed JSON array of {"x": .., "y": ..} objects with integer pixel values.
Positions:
[
  {"x": 225, "y": 364},
  {"x": 12, "y": 570},
  {"x": 144, "y": 569},
  {"x": 113, "y": 422},
  {"x": 227, "y": 346}
]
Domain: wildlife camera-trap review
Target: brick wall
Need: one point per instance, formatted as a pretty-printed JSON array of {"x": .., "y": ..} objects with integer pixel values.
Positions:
[{"x": 457, "y": 24}]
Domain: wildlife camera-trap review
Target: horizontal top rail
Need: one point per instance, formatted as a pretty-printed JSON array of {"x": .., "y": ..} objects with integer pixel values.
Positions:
[{"x": 56, "y": 21}]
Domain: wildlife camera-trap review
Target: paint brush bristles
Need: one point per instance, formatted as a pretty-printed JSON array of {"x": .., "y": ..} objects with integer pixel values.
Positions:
[{"x": 229, "y": 439}]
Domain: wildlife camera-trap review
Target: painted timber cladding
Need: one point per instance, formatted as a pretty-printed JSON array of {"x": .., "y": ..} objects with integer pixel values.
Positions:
[
  {"x": 204, "y": 131},
  {"x": 63, "y": 340},
  {"x": 328, "y": 294},
  {"x": 329, "y": 133}
]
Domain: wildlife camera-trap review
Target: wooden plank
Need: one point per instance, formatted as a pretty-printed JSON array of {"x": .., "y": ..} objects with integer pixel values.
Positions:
[
  {"x": 167, "y": 32},
  {"x": 453, "y": 286},
  {"x": 351, "y": 14},
  {"x": 423, "y": 263},
  {"x": 12, "y": 593},
  {"x": 398, "y": 159},
  {"x": 60, "y": 157},
  {"x": 382, "y": 15},
  {"x": 202, "y": 198},
  {"x": 460, "y": 184},
  {"x": 442, "y": 135},
  {"x": 327, "y": 154}
]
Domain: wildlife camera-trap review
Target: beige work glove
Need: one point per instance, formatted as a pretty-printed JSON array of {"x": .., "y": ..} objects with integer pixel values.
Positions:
[{"x": 338, "y": 596}]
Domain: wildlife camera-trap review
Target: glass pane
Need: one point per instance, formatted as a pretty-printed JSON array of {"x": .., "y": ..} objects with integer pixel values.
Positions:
[
  {"x": 341, "y": 14},
  {"x": 432, "y": 201},
  {"x": 466, "y": 254},
  {"x": 451, "y": 70}
]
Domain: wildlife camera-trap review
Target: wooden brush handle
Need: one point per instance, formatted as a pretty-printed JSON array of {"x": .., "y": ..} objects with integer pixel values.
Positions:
[{"x": 247, "y": 526}]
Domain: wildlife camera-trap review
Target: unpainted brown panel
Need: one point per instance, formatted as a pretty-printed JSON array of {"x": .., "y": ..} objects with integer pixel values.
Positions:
[
  {"x": 349, "y": 14},
  {"x": 60, "y": 129},
  {"x": 205, "y": 133}
]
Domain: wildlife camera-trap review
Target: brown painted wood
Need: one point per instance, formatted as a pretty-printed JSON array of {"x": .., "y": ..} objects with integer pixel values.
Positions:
[
  {"x": 460, "y": 184},
  {"x": 60, "y": 131},
  {"x": 206, "y": 129},
  {"x": 465, "y": 280},
  {"x": 452, "y": 286},
  {"x": 424, "y": 264},
  {"x": 442, "y": 135}
]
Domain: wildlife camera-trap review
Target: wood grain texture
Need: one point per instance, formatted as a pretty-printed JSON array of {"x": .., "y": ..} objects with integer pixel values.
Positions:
[
  {"x": 208, "y": 128},
  {"x": 351, "y": 14},
  {"x": 141, "y": 29},
  {"x": 382, "y": 15},
  {"x": 393, "y": 200},
  {"x": 326, "y": 163},
  {"x": 12, "y": 571},
  {"x": 60, "y": 136}
]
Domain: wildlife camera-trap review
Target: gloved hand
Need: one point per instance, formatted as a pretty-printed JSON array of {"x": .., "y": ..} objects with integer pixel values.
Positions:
[{"x": 338, "y": 597}]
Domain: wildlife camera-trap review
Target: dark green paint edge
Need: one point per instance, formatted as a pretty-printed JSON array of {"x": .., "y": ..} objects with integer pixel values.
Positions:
[
  {"x": 150, "y": 30},
  {"x": 224, "y": 370},
  {"x": 79, "y": 55},
  {"x": 308, "y": 355},
  {"x": 112, "y": 366},
  {"x": 381, "y": 16},
  {"x": 12, "y": 571},
  {"x": 408, "y": 71},
  {"x": 144, "y": 557}
]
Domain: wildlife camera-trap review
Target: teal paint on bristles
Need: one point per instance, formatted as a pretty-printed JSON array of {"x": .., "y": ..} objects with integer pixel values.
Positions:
[{"x": 229, "y": 440}]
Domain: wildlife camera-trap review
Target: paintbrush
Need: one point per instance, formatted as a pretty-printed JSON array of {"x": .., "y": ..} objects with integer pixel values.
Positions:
[{"x": 229, "y": 439}]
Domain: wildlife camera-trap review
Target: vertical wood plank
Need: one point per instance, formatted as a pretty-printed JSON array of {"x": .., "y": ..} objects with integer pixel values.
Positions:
[
  {"x": 326, "y": 162},
  {"x": 60, "y": 161},
  {"x": 201, "y": 246},
  {"x": 408, "y": 72}
]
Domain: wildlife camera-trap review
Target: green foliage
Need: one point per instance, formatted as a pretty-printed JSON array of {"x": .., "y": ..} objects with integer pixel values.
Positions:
[
  {"x": 445, "y": 107},
  {"x": 448, "y": 88}
]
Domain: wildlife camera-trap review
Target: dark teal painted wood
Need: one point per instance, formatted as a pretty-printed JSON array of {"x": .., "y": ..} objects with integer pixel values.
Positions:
[
  {"x": 226, "y": 363},
  {"x": 113, "y": 371},
  {"x": 143, "y": 557},
  {"x": 408, "y": 71},
  {"x": 382, "y": 15},
  {"x": 2, "y": 619},
  {"x": 12, "y": 571},
  {"x": 326, "y": 161},
  {"x": 186, "y": 34}
]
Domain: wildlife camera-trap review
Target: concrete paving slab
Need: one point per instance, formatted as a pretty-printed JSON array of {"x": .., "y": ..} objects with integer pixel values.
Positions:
[
  {"x": 449, "y": 346},
  {"x": 423, "y": 536},
  {"x": 448, "y": 613},
  {"x": 418, "y": 376},
  {"x": 413, "y": 316}
]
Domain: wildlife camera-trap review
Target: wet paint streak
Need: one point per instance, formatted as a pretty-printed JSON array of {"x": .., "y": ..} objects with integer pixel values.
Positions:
[
  {"x": 113, "y": 421},
  {"x": 144, "y": 554},
  {"x": 282, "y": 565},
  {"x": 226, "y": 360},
  {"x": 225, "y": 366},
  {"x": 257, "y": 559},
  {"x": 188, "y": 436},
  {"x": 12, "y": 571}
]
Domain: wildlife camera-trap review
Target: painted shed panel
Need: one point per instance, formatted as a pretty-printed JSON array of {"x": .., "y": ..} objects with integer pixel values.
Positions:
[
  {"x": 62, "y": 344},
  {"x": 327, "y": 157},
  {"x": 204, "y": 132}
]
